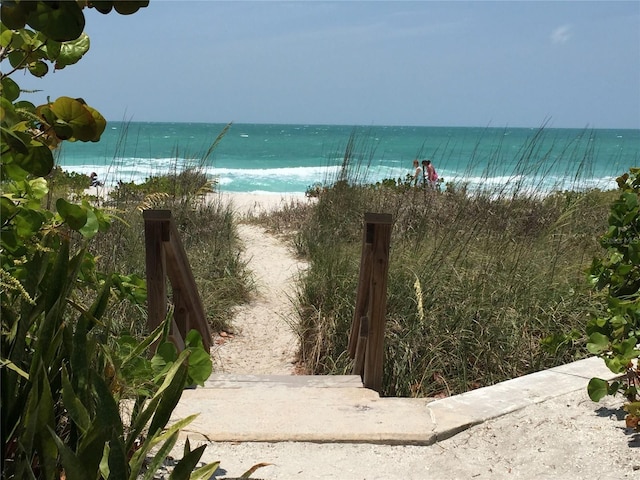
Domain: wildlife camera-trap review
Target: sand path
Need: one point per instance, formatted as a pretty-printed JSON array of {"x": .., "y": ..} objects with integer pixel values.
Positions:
[{"x": 264, "y": 341}]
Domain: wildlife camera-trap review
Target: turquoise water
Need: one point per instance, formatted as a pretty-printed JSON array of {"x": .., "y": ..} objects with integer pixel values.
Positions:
[{"x": 291, "y": 158}]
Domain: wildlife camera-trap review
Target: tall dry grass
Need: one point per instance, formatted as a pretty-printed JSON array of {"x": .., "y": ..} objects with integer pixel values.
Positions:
[
  {"x": 484, "y": 285},
  {"x": 206, "y": 226}
]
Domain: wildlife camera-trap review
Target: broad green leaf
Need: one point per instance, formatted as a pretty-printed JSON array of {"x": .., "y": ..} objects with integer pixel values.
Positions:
[
  {"x": 100, "y": 123},
  {"x": 127, "y": 7},
  {"x": 62, "y": 129},
  {"x": 76, "y": 115},
  {"x": 61, "y": 21},
  {"x": 597, "y": 389},
  {"x": 17, "y": 141},
  {"x": 74, "y": 215},
  {"x": 25, "y": 106},
  {"x": 103, "y": 6},
  {"x": 6, "y": 35},
  {"x": 166, "y": 354},
  {"x": 50, "y": 48},
  {"x": 626, "y": 347},
  {"x": 7, "y": 208},
  {"x": 14, "y": 15},
  {"x": 597, "y": 343},
  {"x": 91, "y": 227},
  {"x": 200, "y": 366},
  {"x": 616, "y": 364},
  {"x": 28, "y": 223},
  {"x": 71, "y": 52},
  {"x": 10, "y": 89},
  {"x": 630, "y": 200},
  {"x": 38, "y": 162},
  {"x": 38, "y": 68},
  {"x": 38, "y": 188}
]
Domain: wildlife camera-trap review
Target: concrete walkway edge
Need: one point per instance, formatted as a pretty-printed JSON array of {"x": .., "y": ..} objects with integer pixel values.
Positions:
[{"x": 334, "y": 409}]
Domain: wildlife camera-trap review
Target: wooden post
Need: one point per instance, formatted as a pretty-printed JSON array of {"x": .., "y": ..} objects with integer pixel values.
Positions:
[
  {"x": 358, "y": 365},
  {"x": 166, "y": 257},
  {"x": 366, "y": 340},
  {"x": 156, "y": 231},
  {"x": 362, "y": 294}
]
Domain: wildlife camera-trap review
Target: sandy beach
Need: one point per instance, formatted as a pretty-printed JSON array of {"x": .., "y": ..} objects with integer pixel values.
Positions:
[
  {"x": 253, "y": 204},
  {"x": 244, "y": 204}
]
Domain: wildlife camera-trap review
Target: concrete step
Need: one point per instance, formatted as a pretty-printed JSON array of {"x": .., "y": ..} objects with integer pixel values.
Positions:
[
  {"x": 283, "y": 381},
  {"x": 271, "y": 408}
]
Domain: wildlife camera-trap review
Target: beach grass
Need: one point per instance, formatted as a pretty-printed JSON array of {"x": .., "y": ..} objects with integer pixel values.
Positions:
[
  {"x": 483, "y": 285},
  {"x": 207, "y": 227}
]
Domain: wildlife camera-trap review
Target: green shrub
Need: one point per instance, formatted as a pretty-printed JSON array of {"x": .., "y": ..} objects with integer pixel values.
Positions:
[{"x": 614, "y": 336}]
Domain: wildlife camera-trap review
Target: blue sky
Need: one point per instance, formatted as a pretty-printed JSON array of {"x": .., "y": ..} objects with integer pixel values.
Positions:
[{"x": 516, "y": 63}]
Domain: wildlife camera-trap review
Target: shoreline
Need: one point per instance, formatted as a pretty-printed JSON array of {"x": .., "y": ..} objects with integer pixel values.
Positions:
[
  {"x": 243, "y": 203},
  {"x": 247, "y": 203}
]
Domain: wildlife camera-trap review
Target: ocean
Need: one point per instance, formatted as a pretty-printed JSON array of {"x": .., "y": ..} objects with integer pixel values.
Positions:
[{"x": 265, "y": 158}]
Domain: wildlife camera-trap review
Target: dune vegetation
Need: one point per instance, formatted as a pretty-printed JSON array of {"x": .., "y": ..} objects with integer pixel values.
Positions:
[{"x": 483, "y": 285}]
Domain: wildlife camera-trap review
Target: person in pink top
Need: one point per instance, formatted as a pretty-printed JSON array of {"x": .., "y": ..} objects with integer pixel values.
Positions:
[{"x": 430, "y": 174}]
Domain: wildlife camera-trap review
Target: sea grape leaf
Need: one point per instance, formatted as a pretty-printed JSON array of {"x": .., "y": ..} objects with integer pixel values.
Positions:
[
  {"x": 61, "y": 21},
  {"x": 74, "y": 215},
  {"x": 71, "y": 52},
  {"x": 75, "y": 113},
  {"x": 6, "y": 35},
  {"x": 127, "y": 7},
  {"x": 15, "y": 140},
  {"x": 597, "y": 343},
  {"x": 91, "y": 227},
  {"x": 7, "y": 208},
  {"x": 38, "y": 162},
  {"x": 597, "y": 389},
  {"x": 38, "y": 188},
  {"x": 14, "y": 15},
  {"x": 38, "y": 68},
  {"x": 10, "y": 89},
  {"x": 100, "y": 123},
  {"x": 28, "y": 222}
]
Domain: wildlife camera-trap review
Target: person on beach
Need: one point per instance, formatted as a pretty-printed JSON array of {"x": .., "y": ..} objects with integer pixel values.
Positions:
[
  {"x": 94, "y": 180},
  {"x": 430, "y": 174},
  {"x": 418, "y": 176}
]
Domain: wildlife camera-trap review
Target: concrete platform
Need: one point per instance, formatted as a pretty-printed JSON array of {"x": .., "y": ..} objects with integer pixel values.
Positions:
[{"x": 334, "y": 409}]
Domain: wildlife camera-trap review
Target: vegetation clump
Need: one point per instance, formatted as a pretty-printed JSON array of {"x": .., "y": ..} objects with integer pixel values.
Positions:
[
  {"x": 87, "y": 390},
  {"x": 614, "y": 335},
  {"x": 483, "y": 285}
]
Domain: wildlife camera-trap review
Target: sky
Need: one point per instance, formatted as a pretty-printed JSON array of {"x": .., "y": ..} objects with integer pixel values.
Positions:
[{"x": 502, "y": 64}]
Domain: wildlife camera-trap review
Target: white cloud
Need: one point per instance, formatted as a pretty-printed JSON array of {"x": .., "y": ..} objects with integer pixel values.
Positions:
[{"x": 561, "y": 34}]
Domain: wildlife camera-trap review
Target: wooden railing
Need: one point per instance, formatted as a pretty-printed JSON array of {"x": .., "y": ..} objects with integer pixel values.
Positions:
[
  {"x": 366, "y": 341},
  {"x": 166, "y": 257}
]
